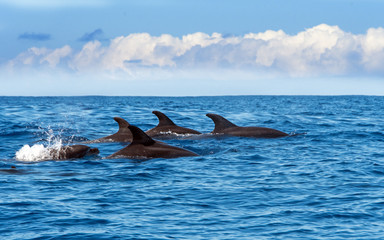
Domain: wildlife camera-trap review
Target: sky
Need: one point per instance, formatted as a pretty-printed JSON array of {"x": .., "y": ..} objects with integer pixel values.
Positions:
[{"x": 191, "y": 47}]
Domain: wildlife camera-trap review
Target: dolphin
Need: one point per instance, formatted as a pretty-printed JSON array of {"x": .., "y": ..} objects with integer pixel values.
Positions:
[
  {"x": 167, "y": 127},
  {"x": 144, "y": 147},
  {"x": 223, "y": 126},
  {"x": 12, "y": 170},
  {"x": 73, "y": 151},
  {"x": 122, "y": 135}
]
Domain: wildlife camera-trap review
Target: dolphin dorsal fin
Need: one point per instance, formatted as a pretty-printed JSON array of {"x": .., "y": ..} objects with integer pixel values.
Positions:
[
  {"x": 220, "y": 122},
  {"x": 163, "y": 119},
  {"x": 140, "y": 137},
  {"x": 123, "y": 125}
]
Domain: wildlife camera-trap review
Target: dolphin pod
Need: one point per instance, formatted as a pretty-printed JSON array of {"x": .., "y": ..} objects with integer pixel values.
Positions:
[{"x": 143, "y": 146}]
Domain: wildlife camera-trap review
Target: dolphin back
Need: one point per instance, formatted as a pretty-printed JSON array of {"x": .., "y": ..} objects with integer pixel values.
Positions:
[
  {"x": 220, "y": 123},
  {"x": 163, "y": 119},
  {"x": 140, "y": 137},
  {"x": 123, "y": 124}
]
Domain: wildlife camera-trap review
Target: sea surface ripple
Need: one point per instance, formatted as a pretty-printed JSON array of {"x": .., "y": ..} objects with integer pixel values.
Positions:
[{"x": 326, "y": 183}]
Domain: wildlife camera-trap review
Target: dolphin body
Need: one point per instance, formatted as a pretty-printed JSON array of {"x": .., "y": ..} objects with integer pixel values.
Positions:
[
  {"x": 122, "y": 135},
  {"x": 167, "y": 127},
  {"x": 12, "y": 170},
  {"x": 223, "y": 126},
  {"x": 144, "y": 147},
  {"x": 71, "y": 152}
]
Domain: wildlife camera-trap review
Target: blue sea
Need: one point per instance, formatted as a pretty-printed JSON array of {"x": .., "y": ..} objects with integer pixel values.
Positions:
[{"x": 327, "y": 182}]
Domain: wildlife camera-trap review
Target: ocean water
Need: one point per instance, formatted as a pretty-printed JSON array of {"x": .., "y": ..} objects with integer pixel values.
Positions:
[{"x": 326, "y": 183}]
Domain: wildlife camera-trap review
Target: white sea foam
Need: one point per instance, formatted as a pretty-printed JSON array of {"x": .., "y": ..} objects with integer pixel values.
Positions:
[{"x": 176, "y": 134}]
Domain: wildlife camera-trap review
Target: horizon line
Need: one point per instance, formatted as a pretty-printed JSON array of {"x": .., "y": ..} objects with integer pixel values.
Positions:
[{"x": 226, "y": 95}]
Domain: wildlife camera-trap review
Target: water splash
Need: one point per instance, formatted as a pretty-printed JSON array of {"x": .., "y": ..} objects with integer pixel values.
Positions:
[
  {"x": 36, "y": 153},
  {"x": 41, "y": 152}
]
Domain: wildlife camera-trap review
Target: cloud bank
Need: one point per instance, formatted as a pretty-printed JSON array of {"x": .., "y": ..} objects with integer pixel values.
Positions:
[{"x": 319, "y": 51}]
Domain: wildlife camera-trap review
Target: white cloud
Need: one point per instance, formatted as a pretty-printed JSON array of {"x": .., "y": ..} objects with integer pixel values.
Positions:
[
  {"x": 54, "y": 57},
  {"x": 88, "y": 56},
  {"x": 319, "y": 51},
  {"x": 373, "y": 48},
  {"x": 41, "y": 57}
]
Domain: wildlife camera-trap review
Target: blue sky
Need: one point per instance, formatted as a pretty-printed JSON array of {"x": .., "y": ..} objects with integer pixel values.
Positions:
[{"x": 173, "y": 47}]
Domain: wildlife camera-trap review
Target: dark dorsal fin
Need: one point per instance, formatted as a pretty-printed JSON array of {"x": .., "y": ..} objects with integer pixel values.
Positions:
[
  {"x": 220, "y": 122},
  {"x": 163, "y": 119},
  {"x": 140, "y": 137},
  {"x": 123, "y": 125}
]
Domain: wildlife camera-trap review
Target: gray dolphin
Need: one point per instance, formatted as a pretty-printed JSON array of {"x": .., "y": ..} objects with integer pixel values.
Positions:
[
  {"x": 167, "y": 127},
  {"x": 73, "y": 151},
  {"x": 223, "y": 126},
  {"x": 122, "y": 135},
  {"x": 144, "y": 147}
]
